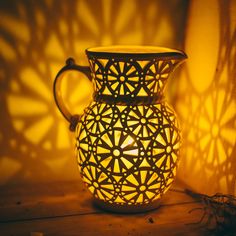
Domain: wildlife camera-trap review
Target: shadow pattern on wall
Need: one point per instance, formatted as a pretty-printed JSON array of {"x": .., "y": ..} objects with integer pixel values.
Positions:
[
  {"x": 206, "y": 99},
  {"x": 35, "y": 39}
]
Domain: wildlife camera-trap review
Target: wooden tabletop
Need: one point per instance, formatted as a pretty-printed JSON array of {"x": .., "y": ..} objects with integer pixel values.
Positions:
[{"x": 66, "y": 208}]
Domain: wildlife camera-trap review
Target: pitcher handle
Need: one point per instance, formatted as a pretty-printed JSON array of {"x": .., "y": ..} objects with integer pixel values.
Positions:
[{"x": 70, "y": 65}]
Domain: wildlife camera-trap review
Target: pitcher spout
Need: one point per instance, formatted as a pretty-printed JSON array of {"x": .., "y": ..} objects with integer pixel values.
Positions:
[{"x": 179, "y": 57}]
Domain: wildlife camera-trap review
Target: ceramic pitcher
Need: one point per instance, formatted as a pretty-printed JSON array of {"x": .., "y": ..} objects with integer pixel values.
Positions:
[{"x": 128, "y": 139}]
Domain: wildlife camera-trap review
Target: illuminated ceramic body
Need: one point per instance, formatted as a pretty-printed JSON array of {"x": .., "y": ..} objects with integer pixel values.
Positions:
[{"x": 128, "y": 138}]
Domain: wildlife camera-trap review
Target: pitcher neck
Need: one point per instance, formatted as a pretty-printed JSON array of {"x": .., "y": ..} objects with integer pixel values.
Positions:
[{"x": 131, "y": 80}]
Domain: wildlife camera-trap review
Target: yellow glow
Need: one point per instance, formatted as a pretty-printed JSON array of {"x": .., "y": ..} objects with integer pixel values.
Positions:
[
  {"x": 18, "y": 124},
  {"x": 38, "y": 130},
  {"x": 206, "y": 103},
  {"x": 87, "y": 17},
  {"x": 165, "y": 28},
  {"x": 8, "y": 168},
  {"x": 62, "y": 136},
  {"x": 202, "y": 43},
  {"x": 32, "y": 80},
  {"x": 126, "y": 10},
  {"x": 57, "y": 165},
  {"x": 16, "y": 27},
  {"x": 33, "y": 51},
  {"x": 63, "y": 27},
  {"x": 7, "y": 51},
  {"x": 46, "y": 145},
  {"x": 40, "y": 18},
  {"x": 106, "y": 11},
  {"x": 23, "y": 106},
  {"x": 53, "y": 46}
]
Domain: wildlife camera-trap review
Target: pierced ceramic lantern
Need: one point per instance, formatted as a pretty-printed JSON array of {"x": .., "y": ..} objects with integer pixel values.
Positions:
[{"x": 128, "y": 138}]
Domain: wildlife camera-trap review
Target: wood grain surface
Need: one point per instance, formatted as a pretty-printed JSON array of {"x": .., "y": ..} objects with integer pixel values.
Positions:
[{"x": 66, "y": 208}]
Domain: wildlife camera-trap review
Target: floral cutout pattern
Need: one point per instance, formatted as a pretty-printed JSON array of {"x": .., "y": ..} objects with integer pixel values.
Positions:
[
  {"x": 135, "y": 159},
  {"x": 130, "y": 77}
]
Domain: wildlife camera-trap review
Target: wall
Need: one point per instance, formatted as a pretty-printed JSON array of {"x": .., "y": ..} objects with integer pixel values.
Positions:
[
  {"x": 206, "y": 98},
  {"x": 35, "y": 39}
]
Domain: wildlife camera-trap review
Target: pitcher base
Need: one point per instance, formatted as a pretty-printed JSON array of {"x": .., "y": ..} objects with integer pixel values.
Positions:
[{"x": 126, "y": 208}]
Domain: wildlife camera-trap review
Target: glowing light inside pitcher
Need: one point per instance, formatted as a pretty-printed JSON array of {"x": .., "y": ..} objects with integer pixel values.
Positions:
[{"x": 126, "y": 166}]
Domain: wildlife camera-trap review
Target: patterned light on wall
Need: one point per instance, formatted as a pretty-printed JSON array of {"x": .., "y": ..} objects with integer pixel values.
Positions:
[
  {"x": 128, "y": 138},
  {"x": 206, "y": 98},
  {"x": 36, "y": 136}
]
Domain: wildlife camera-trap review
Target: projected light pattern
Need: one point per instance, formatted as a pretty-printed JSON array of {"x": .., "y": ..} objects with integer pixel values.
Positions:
[
  {"x": 35, "y": 39},
  {"x": 206, "y": 100}
]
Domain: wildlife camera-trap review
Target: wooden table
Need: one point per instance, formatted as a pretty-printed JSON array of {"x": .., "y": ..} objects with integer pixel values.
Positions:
[{"x": 65, "y": 208}]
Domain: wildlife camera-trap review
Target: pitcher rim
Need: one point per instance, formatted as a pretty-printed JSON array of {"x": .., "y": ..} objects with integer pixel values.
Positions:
[{"x": 135, "y": 51}]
